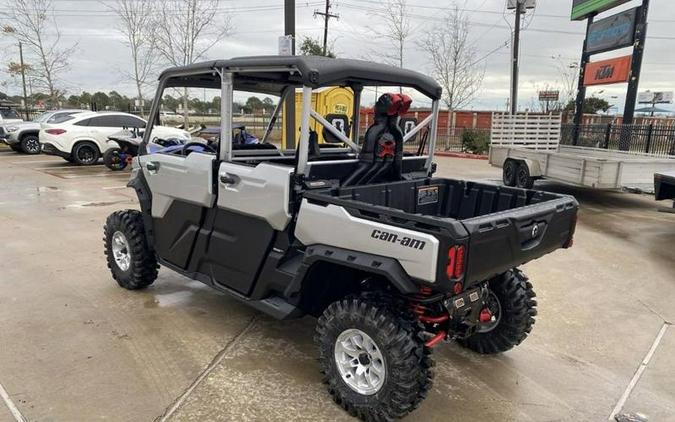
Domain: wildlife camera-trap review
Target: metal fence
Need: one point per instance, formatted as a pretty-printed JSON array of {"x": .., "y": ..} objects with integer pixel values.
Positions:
[
  {"x": 454, "y": 140},
  {"x": 651, "y": 139}
]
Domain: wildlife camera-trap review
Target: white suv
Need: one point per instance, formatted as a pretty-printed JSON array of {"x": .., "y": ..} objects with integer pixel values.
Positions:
[{"x": 83, "y": 140}]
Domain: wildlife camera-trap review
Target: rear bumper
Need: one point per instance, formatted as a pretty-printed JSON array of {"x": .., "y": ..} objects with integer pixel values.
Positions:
[{"x": 50, "y": 149}]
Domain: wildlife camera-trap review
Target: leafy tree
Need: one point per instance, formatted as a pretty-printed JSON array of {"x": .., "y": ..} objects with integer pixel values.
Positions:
[
  {"x": 592, "y": 105},
  {"x": 101, "y": 100},
  {"x": 312, "y": 47},
  {"x": 253, "y": 104}
]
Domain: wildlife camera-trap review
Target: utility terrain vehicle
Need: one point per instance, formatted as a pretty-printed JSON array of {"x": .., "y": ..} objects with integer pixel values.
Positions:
[{"x": 390, "y": 259}]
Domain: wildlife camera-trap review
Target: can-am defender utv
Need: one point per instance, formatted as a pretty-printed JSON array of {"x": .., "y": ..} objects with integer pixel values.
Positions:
[{"x": 391, "y": 260}]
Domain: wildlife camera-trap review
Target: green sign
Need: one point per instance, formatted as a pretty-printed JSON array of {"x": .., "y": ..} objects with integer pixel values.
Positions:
[{"x": 582, "y": 8}]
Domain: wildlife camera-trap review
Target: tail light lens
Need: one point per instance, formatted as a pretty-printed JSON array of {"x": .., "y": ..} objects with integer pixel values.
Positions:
[
  {"x": 55, "y": 131},
  {"x": 456, "y": 257}
]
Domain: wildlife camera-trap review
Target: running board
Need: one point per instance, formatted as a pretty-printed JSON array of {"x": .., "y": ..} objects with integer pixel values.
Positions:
[{"x": 273, "y": 306}]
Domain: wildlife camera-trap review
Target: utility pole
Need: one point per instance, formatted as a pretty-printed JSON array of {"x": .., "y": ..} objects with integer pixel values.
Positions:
[
  {"x": 23, "y": 81},
  {"x": 326, "y": 15},
  {"x": 515, "y": 50},
  {"x": 289, "y": 106}
]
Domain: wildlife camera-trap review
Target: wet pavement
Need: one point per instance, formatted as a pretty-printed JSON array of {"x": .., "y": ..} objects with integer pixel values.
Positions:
[{"x": 76, "y": 347}]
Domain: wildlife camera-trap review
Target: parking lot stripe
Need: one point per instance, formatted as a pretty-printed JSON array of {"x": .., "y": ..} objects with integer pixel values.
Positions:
[
  {"x": 214, "y": 363},
  {"x": 10, "y": 405},
  {"x": 32, "y": 161},
  {"x": 638, "y": 373}
]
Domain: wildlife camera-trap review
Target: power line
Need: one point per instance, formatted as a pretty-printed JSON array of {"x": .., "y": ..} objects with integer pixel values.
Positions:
[{"x": 529, "y": 29}]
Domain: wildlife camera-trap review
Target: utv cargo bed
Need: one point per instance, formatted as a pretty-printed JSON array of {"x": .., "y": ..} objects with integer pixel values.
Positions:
[{"x": 501, "y": 227}]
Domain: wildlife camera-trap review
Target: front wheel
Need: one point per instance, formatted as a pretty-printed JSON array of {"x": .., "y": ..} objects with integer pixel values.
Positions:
[
  {"x": 131, "y": 261},
  {"x": 512, "y": 309},
  {"x": 374, "y": 361},
  {"x": 114, "y": 159}
]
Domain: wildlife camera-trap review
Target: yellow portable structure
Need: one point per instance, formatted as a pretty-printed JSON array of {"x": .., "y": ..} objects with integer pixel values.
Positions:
[{"x": 328, "y": 101}]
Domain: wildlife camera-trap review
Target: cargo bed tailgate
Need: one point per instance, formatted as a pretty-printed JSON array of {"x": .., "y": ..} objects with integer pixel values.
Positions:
[{"x": 504, "y": 240}]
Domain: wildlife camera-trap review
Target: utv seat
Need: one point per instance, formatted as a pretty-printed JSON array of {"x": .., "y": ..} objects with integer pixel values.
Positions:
[{"x": 381, "y": 157}]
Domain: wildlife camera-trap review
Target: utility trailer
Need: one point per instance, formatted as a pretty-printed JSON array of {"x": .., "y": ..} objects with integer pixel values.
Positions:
[{"x": 528, "y": 148}]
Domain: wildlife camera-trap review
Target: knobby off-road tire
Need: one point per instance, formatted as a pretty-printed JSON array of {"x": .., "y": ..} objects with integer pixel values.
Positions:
[
  {"x": 112, "y": 159},
  {"x": 396, "y": 343},
  {"x": 132, "y": 264},
  {"x": 518, "y": 309}
]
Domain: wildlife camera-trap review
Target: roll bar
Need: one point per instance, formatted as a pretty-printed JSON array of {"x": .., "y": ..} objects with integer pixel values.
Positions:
[{"x": 227, "y": 84}]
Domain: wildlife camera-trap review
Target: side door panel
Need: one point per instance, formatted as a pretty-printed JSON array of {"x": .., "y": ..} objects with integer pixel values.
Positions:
[
  {"x": 182, "y": 192},
  {"x": 250, "y": 210}
]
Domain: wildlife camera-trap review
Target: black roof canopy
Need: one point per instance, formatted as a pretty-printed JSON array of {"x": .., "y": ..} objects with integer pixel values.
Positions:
[{"x": 314, "y": 71}]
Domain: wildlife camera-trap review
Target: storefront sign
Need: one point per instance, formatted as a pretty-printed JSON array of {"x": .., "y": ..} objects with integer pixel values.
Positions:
[
  {"x": 611, "y": 33},
  {"x": 612, "y": 71},
  {"x": 582, "y": 8}
]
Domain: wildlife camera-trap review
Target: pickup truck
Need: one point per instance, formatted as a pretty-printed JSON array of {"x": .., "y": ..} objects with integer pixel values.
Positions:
[
  {"x": 390, "y": 259},
  {"x": 8, "y": 116}
]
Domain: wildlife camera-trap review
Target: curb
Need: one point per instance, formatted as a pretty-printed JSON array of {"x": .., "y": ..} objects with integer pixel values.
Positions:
[{"x": 461, "y": 155}]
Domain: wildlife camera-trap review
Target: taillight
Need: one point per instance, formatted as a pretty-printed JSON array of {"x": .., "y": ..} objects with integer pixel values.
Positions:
[
  {"x": 456, "y": 256},
  {"x": 55, "y": 131}
]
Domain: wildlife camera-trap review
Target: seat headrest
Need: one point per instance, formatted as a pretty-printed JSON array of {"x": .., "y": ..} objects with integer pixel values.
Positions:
[{"x": 392, "y": 104}]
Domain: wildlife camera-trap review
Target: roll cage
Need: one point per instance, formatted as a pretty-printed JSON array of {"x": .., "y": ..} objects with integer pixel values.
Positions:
[{"x": 282, "y": 76}]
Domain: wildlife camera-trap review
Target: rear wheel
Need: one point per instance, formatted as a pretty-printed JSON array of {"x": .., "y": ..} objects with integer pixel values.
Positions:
[
  {"x": 374, "y": 361},
  {"x": 512, "y": 307},
  {"x": 86, "y": 154},
  {"x": 114, "y": 159},
  {"x": 523, "y": 178},
  {"x": 132, "y": 264},
  {"x": 509, "y": 172},
  {"x": 30, "y": 144}
]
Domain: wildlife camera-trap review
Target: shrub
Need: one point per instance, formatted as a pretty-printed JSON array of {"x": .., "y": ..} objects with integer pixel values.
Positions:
[{"x": 475, "y": 141}]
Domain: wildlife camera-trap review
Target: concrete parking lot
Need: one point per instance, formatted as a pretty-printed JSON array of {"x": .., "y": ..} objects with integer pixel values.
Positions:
[{"x": 75, "y": 347}]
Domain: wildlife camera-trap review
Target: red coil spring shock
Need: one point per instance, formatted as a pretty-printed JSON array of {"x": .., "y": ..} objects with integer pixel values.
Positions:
[{"x": 421, "y": 311}]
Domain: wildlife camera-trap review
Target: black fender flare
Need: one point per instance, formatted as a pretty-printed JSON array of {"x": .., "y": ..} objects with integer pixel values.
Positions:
[
  {"x": 388, "y": 268},
  {"x": 140, "y": 185}
]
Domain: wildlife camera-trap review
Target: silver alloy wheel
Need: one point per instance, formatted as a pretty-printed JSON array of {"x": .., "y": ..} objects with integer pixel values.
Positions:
[
  {"x": 33, "y": 146},
  {"x": 360, "y": 362},
  {"x": 120, "y": 250}
]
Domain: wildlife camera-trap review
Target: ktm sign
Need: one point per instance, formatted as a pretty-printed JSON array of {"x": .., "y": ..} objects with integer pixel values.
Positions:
[{"x": 612, "y": 71}]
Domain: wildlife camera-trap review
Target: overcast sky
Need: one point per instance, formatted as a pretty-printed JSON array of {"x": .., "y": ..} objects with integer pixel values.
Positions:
[{"x": 549, "y": 41}]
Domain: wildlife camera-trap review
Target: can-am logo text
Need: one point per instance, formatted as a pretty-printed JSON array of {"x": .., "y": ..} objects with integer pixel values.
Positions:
[{"x": 394, "y": 238}]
